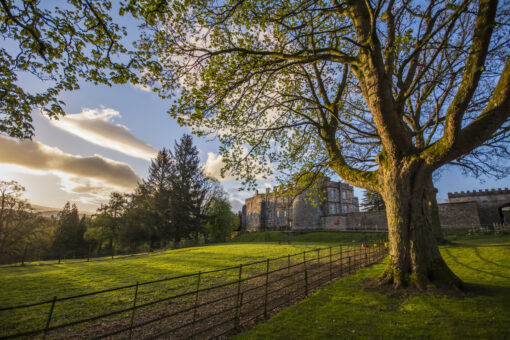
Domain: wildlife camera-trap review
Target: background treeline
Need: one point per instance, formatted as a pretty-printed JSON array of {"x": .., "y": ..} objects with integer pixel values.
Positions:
[{"x": 177, "y": 205}]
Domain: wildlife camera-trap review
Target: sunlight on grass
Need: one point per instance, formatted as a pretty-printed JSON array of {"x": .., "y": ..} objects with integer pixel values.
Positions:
[{"x": 346, "y": 310}]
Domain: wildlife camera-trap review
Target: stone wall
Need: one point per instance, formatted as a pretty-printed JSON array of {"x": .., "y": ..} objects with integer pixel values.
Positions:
[
  {"x": 305, "y": 216},
  {"x": 459, "y": 215},
  {"x": 367, "y": 220},
  {"x": 488, "y": 202},
  {"x": 253, "y": 218}
]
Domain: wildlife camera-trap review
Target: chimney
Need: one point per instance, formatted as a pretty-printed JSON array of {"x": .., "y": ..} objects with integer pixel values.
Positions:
[
  {"x": 256, "y": 192},
  {"x": 268, "y": 191}
]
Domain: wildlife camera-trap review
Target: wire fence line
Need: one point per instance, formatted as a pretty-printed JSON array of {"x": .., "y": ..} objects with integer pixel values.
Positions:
[{"x": 199, "y": 305}]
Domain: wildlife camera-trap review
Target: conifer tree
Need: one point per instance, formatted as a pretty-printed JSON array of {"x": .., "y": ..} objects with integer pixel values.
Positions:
[
  {"x": 69, "y": 240},
  {"x": 189, "y": 190},
  {"x": 372, "y": 201}
]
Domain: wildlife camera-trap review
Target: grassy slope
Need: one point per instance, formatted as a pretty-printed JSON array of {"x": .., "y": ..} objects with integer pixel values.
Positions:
[
  {"x": 22, "y": 285},
  {"x": 344, "y": 310}
]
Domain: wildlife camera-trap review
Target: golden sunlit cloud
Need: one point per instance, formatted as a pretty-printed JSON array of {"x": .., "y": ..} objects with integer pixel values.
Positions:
[
  {"x": 94, "y": 174},
  {"x": 96, "y": 126},
  {"x": 213, "y": 167}
]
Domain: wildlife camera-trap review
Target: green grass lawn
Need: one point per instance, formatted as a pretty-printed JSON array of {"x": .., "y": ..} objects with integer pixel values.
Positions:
[
  {"x": 348, "y": 310},
  {"x": 33, "y": 283}
]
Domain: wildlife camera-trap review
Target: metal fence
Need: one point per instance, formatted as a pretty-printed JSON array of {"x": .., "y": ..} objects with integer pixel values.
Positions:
[{"x": 203, "y": 305}]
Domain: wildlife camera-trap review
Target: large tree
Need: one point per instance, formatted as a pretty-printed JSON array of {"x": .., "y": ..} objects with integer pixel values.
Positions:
[
  {"x": 383, "y": 93},
  {"x": 190, "y": 190}
]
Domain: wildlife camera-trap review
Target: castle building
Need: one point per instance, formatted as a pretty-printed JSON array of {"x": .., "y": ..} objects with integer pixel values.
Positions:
[
  {"x": 339, "y": 210},
  {"x": 272, "y": 212}
]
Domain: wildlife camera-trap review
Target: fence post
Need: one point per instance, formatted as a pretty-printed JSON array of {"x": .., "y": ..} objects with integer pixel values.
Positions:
[
  {"x": 359, "y": 256},
  {"x": 341, "y": 262},
  {"x": 133, "y": 313},
  {"x": 267, "y": 283},
  {"x": 306, "y": 282},
  {"x": 304, "y": 259},
  {"x": 238, "y": 293},
  {"x": 238, "y": 314},
  {"x": 319, "y": 266},
  {"x": 195, "y": 306},
  {"x": 49, "y": 317},
  {"x": 349, "y": 270},
  {"x": 330, "y": 264},
  {"x": 288, "y": 275}
]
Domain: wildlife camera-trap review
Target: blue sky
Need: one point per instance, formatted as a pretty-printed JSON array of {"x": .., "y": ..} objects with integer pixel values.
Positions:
[
  {"x": 144, "y": 115},
  {"x": 105, "y": 144}
]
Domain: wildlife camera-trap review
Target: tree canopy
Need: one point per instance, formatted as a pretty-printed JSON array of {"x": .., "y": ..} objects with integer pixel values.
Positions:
[
  {"x": 58, "y": 44},
  {"x": 383, "y": 93}
]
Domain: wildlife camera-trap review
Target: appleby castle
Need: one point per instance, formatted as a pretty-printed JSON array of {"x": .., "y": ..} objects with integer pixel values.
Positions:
[{"x": 339, "y": 210}]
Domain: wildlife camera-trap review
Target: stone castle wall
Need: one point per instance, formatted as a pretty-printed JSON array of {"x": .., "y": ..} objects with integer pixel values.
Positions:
[
  {"x": 488, "y": 202},
  {"x": 268, "y": 212},
  {"x": 459, "y": 215}
]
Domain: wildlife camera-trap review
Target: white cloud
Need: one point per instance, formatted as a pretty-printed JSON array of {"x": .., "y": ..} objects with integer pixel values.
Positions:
[
  {"x": 213, "y": 167},
  {"x": 96, "y": 126},
  {"x": 95, "y": 175},
  {"x": 235, "y": 204}
]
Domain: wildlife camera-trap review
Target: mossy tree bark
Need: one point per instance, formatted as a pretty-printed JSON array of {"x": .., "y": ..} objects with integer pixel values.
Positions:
[
  {"x": 414, "y": 255},
  {"x": 434, "y": 211}
]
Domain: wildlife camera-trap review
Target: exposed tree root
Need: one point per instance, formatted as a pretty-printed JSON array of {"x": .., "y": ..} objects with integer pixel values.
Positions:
[{"x": 438, "y": 277}]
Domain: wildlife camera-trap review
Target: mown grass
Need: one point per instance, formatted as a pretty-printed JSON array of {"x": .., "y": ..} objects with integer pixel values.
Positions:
[
  {"x": 33, "y": 283},
  {"x": 343, "y": 237},
  {"x": 347, "y": 309}
]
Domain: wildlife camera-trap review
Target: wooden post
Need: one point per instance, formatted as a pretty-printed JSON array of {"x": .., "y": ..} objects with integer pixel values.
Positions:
[
  {"x": 133, "y": 312},
  {"x": 359, "y": 256},
  {"x": 341, "y": 262},
  {"x": 238, "y": 313},
  {"x": 306, "y": 282},
  {"x": 267, "y": 284},
  {"x": 195, "y": 306},
  {"x": 319, "y": 266},
  {"x": 288, "y": 275},
  {"x": 350, "y": 269},
  {"x": 330, "y": 264},
  {"x": 49, "y": 317},
  {"x": 238, "y": 302}
]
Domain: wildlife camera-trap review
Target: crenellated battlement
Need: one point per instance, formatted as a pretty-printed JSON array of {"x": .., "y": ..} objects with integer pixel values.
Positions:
[{"x": 485, "y": 192}]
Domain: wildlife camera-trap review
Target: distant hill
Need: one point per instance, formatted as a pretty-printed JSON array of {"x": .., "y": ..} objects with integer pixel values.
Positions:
[{"x": 49, "y": 211}]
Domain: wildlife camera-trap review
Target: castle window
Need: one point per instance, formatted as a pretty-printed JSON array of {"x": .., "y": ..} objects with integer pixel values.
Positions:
[
  {"x": 346, "y": 209},
  {"x": 285, "y": 213},
  {"x": 333, "y": 194},
  {"x": 332, "y": 209},
  {"x": 344, "y": 195},
  {"x": 278, "y": 213}
]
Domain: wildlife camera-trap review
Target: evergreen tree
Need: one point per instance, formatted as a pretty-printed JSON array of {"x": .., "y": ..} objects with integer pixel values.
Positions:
[
  {"x": 155, "y": 196},
  {"x": 372, "y": 201},
  {"x": 69, "y": 240},
  {"x": 189, "y": 190}
]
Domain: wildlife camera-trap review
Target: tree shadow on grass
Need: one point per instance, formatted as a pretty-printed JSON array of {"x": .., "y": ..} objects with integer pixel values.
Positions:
[
  {"x": 454, "y": 259},
  {"x": 477, "y": 252}
]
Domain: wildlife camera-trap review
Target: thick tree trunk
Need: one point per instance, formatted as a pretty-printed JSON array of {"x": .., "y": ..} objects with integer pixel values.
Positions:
[
  {"x": 414, "y": 254},
  {"x": 434, "y": 211}
]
